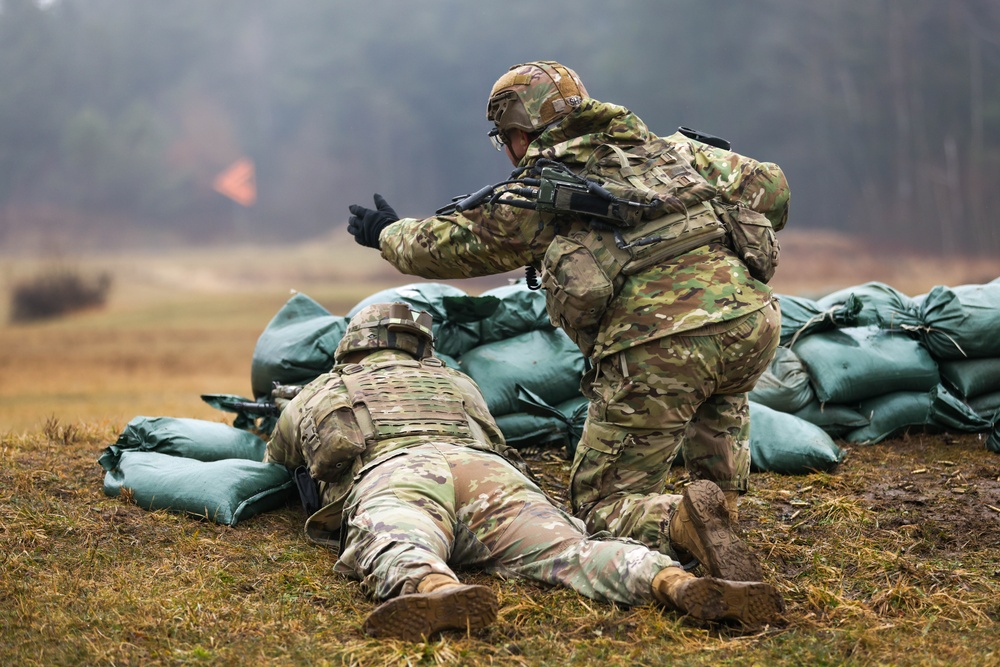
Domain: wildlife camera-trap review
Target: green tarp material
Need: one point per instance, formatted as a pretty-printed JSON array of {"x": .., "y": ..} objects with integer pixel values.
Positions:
[
  {"x": 546, "y": 363},
  {"x": 937, "y": 409},
  {"x": 986, "y": 406},
  {"x": 785, "y": 384},
  {"x": 456, "y": 314},
  {"x": 881, "y": 305},
  {"x": 521, "y": 310},
  {"x": 834, "y": 418},
  {"x": 952, "y": 412},
  {"x": 801, "y": 316},
  {"x": 296, "y": 346},
  {"x": 783, "y": 443},
  {"x": 857, "y": 363},
  {"x": 179, "y": 436},
  {"x": 971, "y": 377},
  {"x": 226, "y": 492},
  {"x": 993, "y": 442},
  {"x": 890, "y": 414},
  {"x": 206, "y": 468},
  {"x": 962, "y": 322},
  {"x": 539, "y": 423}
]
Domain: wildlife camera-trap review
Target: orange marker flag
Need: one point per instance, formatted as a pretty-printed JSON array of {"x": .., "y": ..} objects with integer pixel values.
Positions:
[{"x": 238, "y": 182}]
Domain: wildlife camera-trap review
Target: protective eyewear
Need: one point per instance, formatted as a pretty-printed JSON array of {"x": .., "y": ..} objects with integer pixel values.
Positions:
[{"x": 498, "y": 138}]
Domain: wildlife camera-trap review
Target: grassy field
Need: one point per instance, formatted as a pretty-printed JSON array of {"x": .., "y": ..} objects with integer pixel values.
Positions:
[{"x": 893, "y": 559}]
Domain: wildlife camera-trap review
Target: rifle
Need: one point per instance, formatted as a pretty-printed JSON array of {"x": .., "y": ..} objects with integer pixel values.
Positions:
[{"x": 551, "y": 186}]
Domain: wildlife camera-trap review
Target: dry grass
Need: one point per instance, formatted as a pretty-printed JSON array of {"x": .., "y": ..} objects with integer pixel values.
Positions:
[{"x": 894, "y": 559}]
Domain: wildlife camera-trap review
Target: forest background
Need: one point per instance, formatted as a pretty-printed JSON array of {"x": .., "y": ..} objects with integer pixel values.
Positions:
[{"x": 117, "y": 117}]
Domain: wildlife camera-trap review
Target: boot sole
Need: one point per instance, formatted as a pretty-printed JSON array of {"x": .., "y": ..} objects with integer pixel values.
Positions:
[
  {"x": 419, "y": 616},
  {"x": 725, "y": 556},
  {"x": 749, "y": 602}
]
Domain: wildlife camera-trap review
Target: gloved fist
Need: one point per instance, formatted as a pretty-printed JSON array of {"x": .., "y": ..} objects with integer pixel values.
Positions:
[{"x": 366, "y": 224}]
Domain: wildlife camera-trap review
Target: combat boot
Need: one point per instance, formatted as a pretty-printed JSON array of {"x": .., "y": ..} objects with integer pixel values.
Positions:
[
  {"x": 701, "y": 527},
  {"x": 707, "y": 598},
  {"x": 440, "y": 603}
]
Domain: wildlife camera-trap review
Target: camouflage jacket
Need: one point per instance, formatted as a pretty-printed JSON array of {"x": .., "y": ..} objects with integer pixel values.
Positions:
[
  {"x": 340, "y": 430},
  {"x": 706, "y": 285}
]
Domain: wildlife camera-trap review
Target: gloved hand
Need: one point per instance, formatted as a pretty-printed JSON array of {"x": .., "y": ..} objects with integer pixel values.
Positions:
[{"x": 366, "y": 224}]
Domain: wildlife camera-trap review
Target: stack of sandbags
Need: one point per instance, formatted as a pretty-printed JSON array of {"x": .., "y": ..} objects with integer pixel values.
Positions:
[
  {"x": 929, "y": 361},
  {"x": 529, "y": 371}
]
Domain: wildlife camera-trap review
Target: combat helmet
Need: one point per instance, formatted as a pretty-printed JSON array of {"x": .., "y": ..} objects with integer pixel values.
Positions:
[
  {"x": 532, "y": 96},
  {"x": 381, "y": 326}
]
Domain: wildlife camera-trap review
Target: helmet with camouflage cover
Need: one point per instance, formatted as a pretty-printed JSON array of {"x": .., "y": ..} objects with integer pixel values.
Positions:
[
  {"x": 533, "y": 95},
  {"x": 382, "y": 326}
]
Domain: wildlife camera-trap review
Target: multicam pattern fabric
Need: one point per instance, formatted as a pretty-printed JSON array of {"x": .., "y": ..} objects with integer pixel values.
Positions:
[
  {"x": 416, "y": 504},
  {"x": 532, "y": 95},
  {"x": 327, "y": 405},
  {"x": 707, "y": 285},
  {"x": 442, "y": 506},
  {"x": 683, "y": 393}
]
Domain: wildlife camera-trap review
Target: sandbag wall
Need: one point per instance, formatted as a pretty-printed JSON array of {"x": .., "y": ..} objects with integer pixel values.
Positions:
[
  {"x": 529, "y": 371},
  {"x": 867, "y": 362}
]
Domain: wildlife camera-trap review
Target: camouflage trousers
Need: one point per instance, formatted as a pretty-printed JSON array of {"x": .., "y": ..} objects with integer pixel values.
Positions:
[
  {"x": 439, "y": 506},
  {"x": 684, "y": 394}
]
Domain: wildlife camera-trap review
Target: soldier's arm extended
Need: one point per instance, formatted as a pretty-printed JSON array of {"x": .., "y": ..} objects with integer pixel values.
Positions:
[{"x": 483, "y": 241}]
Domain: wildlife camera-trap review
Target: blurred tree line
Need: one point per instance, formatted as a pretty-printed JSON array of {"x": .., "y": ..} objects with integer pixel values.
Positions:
[{"x": 884, "y": 114}]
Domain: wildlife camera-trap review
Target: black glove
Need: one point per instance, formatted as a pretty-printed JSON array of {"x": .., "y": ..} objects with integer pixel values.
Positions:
[{"x": 366, "y": 224}]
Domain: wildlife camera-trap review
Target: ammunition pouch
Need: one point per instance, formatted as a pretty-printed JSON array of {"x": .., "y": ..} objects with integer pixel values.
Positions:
[
  {"x": 752, "y": 237},
  {"x": 331, "y": 435},
  {"x": 583, "y": 271}
]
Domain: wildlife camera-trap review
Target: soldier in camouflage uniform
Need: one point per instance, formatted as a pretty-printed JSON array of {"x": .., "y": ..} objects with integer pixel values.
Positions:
[
  {"x": 414, "y": 479},
  {"x": 674, "y": 351}
]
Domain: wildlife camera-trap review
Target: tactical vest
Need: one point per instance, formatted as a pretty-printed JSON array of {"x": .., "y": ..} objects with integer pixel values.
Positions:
[
  {"x": 394, "y": 399},
  {"x": 583, "y": 270},
  {"x": 406, "y": 398}
]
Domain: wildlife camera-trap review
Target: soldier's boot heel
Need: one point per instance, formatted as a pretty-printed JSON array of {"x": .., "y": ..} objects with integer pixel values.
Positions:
[
  {"x": 418, "y": 616},
  {"x": 707, "y": 598}
]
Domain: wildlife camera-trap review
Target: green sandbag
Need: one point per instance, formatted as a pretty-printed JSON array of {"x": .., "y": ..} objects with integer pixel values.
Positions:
[
  {"x": 857, "y": 363},
  {"x": 546, "y": 363},
  {"x": 986, "y": 406},
  {"x": 891, "y": 413},
  {"x": 785, "y": 384},
  {"x": 785, "y": 444},
  {"x": 993, "y": 442},
  {"x": 180, "y": 436},
  {"x": 881, "y": 305},
  {"x": 962, "y": 322},
  {"x": 456, "y": 314},
  {"x": 971, "y": 377},
  {"x": 801, "y": 316},
  {"x": 521, "y": 429},
  {"x": 834, "y": 418},
  {"x": 225, "y": 492},
  {"x": 296, "y": 346},
  {"x": 521, "y": 310},
  {"x": 953, "y": 413},
  {"x": 539, "y": 423}
]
